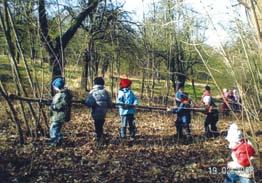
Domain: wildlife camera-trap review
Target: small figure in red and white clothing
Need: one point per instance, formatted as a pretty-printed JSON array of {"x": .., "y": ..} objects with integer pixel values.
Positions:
[{"x": 242, "y": 152}]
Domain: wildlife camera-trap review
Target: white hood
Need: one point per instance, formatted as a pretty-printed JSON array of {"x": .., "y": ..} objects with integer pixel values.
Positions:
[{"x": 234, "y": 135}]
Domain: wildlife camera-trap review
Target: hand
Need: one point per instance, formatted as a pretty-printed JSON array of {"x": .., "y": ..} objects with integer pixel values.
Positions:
[
  {"x": 125, "y": 106},
  {"x": 168, "y": 109},
  {"x": 46, "y": 102}
]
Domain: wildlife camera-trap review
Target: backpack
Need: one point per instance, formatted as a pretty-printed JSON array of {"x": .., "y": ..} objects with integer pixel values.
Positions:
[
  {"x": 243, "y": 152},
  {"x": 68, "y": 99}
]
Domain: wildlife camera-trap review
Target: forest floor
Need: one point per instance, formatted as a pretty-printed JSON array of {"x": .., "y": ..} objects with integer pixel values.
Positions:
[{"x": 156, "y": 156}]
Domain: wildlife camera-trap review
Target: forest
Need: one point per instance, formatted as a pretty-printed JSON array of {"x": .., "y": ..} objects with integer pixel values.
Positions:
[{"x": 93, "y": 92}]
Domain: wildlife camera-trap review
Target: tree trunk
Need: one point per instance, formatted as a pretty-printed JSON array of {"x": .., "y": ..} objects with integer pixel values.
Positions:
[
  {"x": 142, "y": 84},
  {"x": 55, "y": 46},
  {"x": 105, "y": 66},
  {"x": 85, "y": 68}
]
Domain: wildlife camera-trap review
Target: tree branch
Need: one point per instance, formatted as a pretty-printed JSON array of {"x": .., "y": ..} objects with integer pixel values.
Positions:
[
  {"x": 68, "y": 35},
  {"x": 45, "y": 38}
]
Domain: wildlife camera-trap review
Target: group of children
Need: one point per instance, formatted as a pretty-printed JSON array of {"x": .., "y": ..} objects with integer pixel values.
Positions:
[
  {"x": 99, "y": 100},
  {"x": 183, "y": 111},
  {"x": 231, "y": 100}
]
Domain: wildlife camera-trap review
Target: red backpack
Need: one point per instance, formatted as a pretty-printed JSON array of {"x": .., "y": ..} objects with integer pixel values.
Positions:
[{"x": 243, "y": 152}]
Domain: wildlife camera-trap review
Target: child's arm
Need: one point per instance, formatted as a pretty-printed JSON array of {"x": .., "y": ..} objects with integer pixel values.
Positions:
[
  {"x": 90, "y": 101},
  {"x": 172, "y": 110}
]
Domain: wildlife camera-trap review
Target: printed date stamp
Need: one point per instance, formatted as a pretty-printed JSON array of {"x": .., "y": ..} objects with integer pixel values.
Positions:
[{"x": 224, "y": 170}]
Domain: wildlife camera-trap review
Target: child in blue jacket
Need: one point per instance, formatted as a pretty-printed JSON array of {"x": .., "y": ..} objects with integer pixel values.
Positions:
[
  {"x": 183, "y": 117},
  {"x": 126, "y": 96}
]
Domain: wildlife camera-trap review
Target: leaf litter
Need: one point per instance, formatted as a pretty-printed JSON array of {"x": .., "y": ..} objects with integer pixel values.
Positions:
[{"x": 156, "y": 156}]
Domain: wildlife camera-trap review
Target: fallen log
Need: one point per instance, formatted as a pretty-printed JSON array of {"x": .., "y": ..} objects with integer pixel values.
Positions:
[
  {"x": 81, "y": 102},
  {"x": 115, "y": 105}
]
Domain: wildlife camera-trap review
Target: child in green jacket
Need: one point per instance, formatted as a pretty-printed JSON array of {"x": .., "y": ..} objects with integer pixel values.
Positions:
[{"x": 60, "y": 110}]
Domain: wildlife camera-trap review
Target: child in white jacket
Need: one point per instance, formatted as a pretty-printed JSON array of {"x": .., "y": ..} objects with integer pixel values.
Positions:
[{"x": 240, "y": 169}]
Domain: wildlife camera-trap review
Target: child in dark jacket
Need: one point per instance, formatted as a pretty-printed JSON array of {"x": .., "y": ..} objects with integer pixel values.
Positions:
[
  {"x": 60, "y": 110},
  {"x": 126, "y": 96},
  {"x": 212, "y": 116},
  {"x": 183, "y": 117},
  {"x": 99, "y": 100}
]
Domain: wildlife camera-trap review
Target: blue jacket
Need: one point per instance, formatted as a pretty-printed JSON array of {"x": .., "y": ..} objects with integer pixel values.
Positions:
[
  {"x": 99, "y": 99},
  {"x": 183, "y": 115},
  {"x": 126, "y": 96}
]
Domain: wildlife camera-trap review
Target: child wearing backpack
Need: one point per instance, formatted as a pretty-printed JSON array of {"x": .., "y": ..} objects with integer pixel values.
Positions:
[
  {"x": 242, "y": 152},
  {"x": 183, "y": 117},
  {"x": 60, "y": 110},
  {"x": 99, "y": 100},
  {"x": 211, "y": 114},
  {"x": 126, "y": 96}
]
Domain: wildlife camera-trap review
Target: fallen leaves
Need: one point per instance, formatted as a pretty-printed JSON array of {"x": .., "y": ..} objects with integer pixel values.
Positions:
[{"x": 155, "y": 157}]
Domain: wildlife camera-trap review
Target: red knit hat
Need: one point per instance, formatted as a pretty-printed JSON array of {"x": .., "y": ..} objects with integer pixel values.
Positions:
[{"x": 125, "y": 83}]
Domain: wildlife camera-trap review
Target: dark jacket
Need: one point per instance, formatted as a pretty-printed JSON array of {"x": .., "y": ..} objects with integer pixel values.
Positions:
[
  {"x": 183, "y": 113},
  {"x": 99, "y": 100}
]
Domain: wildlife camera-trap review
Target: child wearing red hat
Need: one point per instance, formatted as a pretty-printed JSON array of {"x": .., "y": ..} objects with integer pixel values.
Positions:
[{"x": 126, "y": 96}]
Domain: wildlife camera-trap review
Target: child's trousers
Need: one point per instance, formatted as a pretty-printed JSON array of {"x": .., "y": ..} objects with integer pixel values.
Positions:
[
  {"x": 127, "y": 120},
  {"x": 55, "y": 132},
  {"x": 99, "y": 127},
  {"x": 210, "y": 122},
  {"x": 183, "y": 130},
  {"x": 232, "y": 177}
]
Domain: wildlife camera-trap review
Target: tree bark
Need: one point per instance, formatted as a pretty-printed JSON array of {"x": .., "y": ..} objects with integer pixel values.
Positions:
[
  {"x": 55, "y": 46},
  {"x": 85, "y": 68}
]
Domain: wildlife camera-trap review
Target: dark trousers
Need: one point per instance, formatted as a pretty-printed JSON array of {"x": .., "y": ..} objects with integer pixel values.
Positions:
[
  {"x": 128, "y": 120},
  {"x": 183, "y": 130},
  {"x": 99, "y": 124},
  {"x": 210, "y": 123}
]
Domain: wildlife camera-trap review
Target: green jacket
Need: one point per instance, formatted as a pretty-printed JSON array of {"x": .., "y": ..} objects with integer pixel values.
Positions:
[{"x": 61, "y": 106}]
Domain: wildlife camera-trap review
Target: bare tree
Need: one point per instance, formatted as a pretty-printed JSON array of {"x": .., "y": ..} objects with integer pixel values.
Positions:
[{"x": 56, "y": 46}]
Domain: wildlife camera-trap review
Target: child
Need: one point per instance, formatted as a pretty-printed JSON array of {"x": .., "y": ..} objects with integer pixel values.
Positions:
[
  {"x": 211, "y": 114},
  {"x": 126, "y": 96},
  {"x": 240, "y": 169},
  {"x": 60, "y": 110},
  {"x": 99, "y": 100},
  {"x": 183, "y": 117}
]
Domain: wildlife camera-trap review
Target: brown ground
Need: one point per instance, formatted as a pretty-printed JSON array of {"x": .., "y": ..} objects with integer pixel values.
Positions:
[{"x": 155, "y": 157}]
